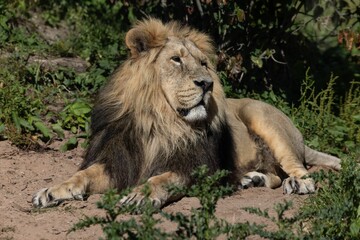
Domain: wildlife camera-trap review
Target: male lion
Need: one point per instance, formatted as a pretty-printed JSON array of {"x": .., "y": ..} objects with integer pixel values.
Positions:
[{"x": 163, "y": 114}]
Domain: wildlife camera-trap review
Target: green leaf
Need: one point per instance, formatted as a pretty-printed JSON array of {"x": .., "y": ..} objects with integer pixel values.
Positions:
[
  {"x": 68, "y": 119},
  {"x": 16, "y": 120},
  {"x": 356, "y": 118},
  {"x": 273, "y": 97},
  {"x": 74, "y": 129},
  {"x": 58, "y": 130},
  {"x": 70, "y": 144},
  {"x": 240, "y": 14},
  {"x": 257, "y": 61},
  {"x": 80, "y": 108},
  {"x": 43, "y": 129},
  {"x": 33, "y": 119},
  {"x": 26, "y": 124},
  {"x": 314, "y": 142},
  {"x": 355, "y": 228}
]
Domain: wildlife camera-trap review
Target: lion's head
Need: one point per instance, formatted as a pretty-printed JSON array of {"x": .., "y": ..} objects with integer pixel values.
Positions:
[
  {"x": 168, "y": 84},
  {"x": 181, "y": 59}
]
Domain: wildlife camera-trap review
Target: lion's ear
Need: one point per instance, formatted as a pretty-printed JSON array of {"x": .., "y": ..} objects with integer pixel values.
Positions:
[
  {"x": 145, "y": 35},
  {"x": 137, "y": 41}
]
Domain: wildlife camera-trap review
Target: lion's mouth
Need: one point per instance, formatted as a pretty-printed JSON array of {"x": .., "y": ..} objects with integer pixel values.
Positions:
[{"x": 185, "y": 111}]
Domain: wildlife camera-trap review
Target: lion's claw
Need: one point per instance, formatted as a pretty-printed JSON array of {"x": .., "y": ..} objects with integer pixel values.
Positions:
[
  {"x": 139, "y": 200},
  {"x": 298, "y": 186}
]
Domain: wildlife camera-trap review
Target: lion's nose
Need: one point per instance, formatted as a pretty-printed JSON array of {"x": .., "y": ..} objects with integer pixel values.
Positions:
[{"x": 205, "y": 84}]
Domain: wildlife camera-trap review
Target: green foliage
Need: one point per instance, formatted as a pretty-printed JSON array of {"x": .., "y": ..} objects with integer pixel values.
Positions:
[
  {"x": 201, "y": 223},
  {"x": 20, "y": 110},
  {"x": 287, "y": 229},
  {"x": 350, "y": 113},
  {"x": 323, "y": 129},
  {"x": 41, "y": 103},
  {"x": 124, "y": 229},
  {"x": 268, "y": 45},
  {"x": 334, "y": 211},
  {"x": 75, "y": 116},
  {"x": 30, "y": 98},
  {"x": 272, "y": 33}
]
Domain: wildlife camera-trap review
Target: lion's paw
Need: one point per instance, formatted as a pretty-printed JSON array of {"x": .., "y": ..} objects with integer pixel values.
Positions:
[
  {"x": 140, "y": 199},
  {"x": 298, "y": 186},
  {"x": 44, "y": 198},
  {"x": 253, "y": 179},
  {"x": 51, "y": 197}
]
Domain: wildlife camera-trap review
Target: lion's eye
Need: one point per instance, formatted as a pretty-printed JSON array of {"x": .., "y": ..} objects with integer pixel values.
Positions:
[{"x": 176, "y": 59}]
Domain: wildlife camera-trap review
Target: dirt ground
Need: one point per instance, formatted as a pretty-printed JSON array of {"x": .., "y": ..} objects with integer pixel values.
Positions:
[{"x": 22, "y": 173}]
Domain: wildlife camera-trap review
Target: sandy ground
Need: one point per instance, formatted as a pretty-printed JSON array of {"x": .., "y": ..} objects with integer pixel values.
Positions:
[{"x": 22, "y": 173}]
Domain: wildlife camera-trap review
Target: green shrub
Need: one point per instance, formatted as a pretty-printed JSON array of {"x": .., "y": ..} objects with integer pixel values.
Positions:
[
  {"x": 39, "y": 104},
  {"x": 201, "y": 223},
  {"x": 320, "y": 122},
  {"x": 271, "y": 32},
  {"x": 334, "y": 211}
]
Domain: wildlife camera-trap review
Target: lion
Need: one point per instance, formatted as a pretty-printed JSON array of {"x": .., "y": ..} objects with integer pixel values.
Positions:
[{"x": 163, "y": 113}]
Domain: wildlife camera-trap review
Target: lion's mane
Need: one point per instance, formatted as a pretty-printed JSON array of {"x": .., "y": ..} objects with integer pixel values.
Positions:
[{"x": 135, "y": 132}]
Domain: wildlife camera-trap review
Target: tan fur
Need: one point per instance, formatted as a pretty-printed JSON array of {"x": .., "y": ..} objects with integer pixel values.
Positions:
[
  {"x": 164, "y": 112},
  {"x": 91, "y": 180},
  {"x": 284, "y": 141}
]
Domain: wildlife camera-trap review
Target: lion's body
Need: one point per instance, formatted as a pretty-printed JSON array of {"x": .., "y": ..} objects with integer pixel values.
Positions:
[{"x": 163, "y": 114}]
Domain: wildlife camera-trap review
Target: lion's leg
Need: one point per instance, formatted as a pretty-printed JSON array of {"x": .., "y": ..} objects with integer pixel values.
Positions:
[
  {"x": 289, "y": 153},
  {"x": 283, "y": 139},
  {"x": 84, "y": 182},
  {"x": 291, "y": 160},
  {"x": 292, "y": 164},
  {"x": 159, "y": 194},
  {"x": 257, "y": 179}
]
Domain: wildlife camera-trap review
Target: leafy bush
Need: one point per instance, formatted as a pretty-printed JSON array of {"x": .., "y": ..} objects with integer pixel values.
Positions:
[
  {"x": 321, "y": 127},
  {"x": 334, "y": 211},
  {"x": 201, "y": 223},
  {"x": 21, "y": 106},
  {"x": 42, "y": 103},
  {"x": 268, "y": 45},
  {"x": 271, "y": 32}
]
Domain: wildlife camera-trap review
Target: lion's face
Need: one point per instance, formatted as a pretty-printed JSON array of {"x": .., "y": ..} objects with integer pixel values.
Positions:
[
  {"x": 185, "y": 79},
  {"x": 171, "y": 68}
]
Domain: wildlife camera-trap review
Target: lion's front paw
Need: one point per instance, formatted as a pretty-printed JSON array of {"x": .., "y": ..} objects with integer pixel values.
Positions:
[
  {"x": 139, "y": 199},
  {"x": 44, "y": 198},
  {"x": 50, "y": 197},
  {"x": 298, "y": 185}
]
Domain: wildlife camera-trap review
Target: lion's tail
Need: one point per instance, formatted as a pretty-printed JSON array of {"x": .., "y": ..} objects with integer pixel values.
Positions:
[{"x": 316, "y": 158}]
